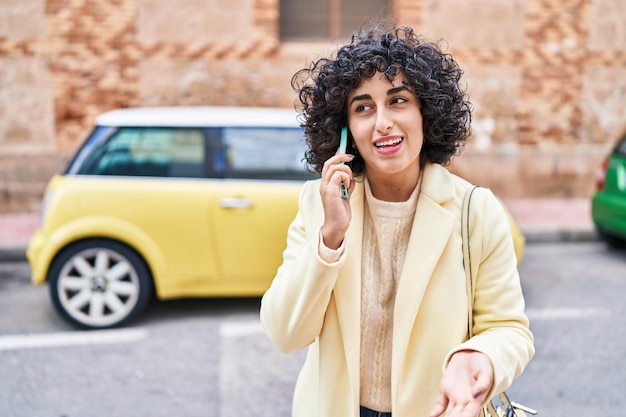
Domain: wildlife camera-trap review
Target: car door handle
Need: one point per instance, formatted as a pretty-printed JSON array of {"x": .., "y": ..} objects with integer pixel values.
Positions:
[{"x": 240, "y": 203}]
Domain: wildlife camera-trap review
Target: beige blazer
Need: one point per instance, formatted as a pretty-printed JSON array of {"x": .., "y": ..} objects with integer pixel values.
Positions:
[{"x": 315, "y": 304}]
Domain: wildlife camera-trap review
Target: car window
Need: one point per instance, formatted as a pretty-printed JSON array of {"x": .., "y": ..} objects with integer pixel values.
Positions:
[
  {"x": 97, "y": 136},
  {"x": 161, "y": 152},
  {"x": 265, "y": 153}
]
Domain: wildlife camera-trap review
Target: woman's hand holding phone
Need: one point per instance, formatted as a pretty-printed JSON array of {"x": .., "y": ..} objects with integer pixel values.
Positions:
[{"x": 336, "y": 185}]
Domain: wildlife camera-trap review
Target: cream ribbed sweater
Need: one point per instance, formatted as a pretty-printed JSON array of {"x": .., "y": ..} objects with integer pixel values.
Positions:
[{"x": 386, "y": 232}]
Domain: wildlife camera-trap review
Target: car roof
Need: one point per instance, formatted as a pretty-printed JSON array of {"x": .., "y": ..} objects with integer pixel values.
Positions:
[{"x": 200, "y": 116}]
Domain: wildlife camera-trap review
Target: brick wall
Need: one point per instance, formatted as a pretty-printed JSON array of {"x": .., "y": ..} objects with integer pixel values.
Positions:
[
  {"x": 548, "y": 82},
  {"x": 547, "y": 78}
]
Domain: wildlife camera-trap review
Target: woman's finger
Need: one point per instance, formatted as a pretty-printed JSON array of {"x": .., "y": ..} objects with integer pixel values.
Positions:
[
  {"x": 336, "y": 162},
  {"x": 442, "y": 404},
  {"x": 333, "y": 166}
]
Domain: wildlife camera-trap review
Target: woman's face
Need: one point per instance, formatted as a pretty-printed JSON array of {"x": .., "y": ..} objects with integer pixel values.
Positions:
[{"x": 385, "y": 121}]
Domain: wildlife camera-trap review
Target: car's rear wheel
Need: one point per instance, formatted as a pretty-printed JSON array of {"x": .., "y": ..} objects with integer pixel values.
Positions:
[
  {"x": 96, "y": 284},
  {"x": 612, "y": 241}
]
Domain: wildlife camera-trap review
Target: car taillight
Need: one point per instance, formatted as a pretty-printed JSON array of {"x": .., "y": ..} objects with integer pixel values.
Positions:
[{"x": 601, "y": 180}]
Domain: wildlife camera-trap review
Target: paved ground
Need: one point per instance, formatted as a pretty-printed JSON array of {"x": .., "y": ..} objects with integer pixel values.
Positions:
[{"x": 540, "y": 219}]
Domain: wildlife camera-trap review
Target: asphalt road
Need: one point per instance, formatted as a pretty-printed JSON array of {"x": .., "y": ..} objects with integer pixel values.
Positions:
[{"x": 209, "y": 357}]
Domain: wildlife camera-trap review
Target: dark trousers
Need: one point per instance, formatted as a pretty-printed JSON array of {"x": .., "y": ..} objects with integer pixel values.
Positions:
[{"x": 366, "y": 412}]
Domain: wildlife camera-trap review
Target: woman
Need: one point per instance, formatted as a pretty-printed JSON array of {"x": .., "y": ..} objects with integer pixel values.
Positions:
[{"x": 374, "y": 284}]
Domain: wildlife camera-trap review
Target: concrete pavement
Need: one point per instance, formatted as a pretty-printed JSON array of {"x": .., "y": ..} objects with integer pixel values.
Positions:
[{"x": 541, "y": 220}]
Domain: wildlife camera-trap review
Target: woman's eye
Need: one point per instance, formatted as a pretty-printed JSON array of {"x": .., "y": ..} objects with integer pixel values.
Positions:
[
  {"x": 362, "y": 107},
  {"x": 398, "y": 100}
]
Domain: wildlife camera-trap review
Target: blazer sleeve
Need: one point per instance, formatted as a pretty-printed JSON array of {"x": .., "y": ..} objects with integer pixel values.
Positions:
[
  {"x": 501, "y": 327},
  {"x": 293, "y": 308}
]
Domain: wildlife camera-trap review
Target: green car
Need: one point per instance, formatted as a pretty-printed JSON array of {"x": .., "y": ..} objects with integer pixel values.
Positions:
[{"x": 608, "y": 206}]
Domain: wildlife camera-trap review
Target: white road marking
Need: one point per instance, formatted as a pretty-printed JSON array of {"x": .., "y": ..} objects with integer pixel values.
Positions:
[
  {"x": 241, "y": 328},
  {"x": 93, "y": 337},
  {"x": 228, "y": 330},
  {"x": 567, "y": 313}
]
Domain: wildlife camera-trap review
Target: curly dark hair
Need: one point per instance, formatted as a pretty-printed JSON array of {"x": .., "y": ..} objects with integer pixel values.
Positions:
[{"x": 433, "y": 75}]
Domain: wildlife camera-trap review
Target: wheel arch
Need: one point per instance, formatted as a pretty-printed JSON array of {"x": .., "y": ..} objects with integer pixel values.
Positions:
[{"x": 103, "y": 228}]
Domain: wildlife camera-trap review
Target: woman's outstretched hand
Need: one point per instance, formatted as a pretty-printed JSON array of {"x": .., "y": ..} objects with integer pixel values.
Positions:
[
  {"x": 465, "y": 384},
  {"x": 337, "y": 212}
]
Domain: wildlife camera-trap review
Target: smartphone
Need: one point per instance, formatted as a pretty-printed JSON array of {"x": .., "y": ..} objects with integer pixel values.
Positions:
[{"x": 343, "y": 144}]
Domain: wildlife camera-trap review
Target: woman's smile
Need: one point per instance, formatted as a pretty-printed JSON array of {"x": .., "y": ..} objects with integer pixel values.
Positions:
[{"x": 388, "y": 145}]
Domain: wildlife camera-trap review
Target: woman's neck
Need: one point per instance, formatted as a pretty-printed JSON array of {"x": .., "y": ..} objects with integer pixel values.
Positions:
[{"x": 396, "y": 187}]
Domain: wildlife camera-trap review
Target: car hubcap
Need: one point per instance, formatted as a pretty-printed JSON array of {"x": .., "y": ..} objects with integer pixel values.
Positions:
[{"x": 98, "y": 287}]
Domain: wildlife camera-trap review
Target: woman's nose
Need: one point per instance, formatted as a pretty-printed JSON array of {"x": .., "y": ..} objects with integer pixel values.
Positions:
[{"x": 383, "y": 121}]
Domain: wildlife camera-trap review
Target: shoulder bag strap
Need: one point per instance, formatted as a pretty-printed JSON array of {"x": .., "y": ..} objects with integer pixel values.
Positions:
[
  {"x": 488, "y": 410},
  {"x": 467, "y": 264}
]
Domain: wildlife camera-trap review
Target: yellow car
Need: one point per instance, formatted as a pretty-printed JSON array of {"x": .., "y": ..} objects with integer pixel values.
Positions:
[
  {"x": 176, "y": 202},
  {"x": 519, "y": 240}
]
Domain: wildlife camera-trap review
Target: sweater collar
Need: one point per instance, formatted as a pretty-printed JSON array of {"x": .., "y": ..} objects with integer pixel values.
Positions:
[{"x": 395, "y": 209}]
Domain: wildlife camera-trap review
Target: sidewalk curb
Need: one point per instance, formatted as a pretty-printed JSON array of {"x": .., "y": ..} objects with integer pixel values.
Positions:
[
  {"x": 563, "y": 235},
  {"x": 12, "y": 254}
]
